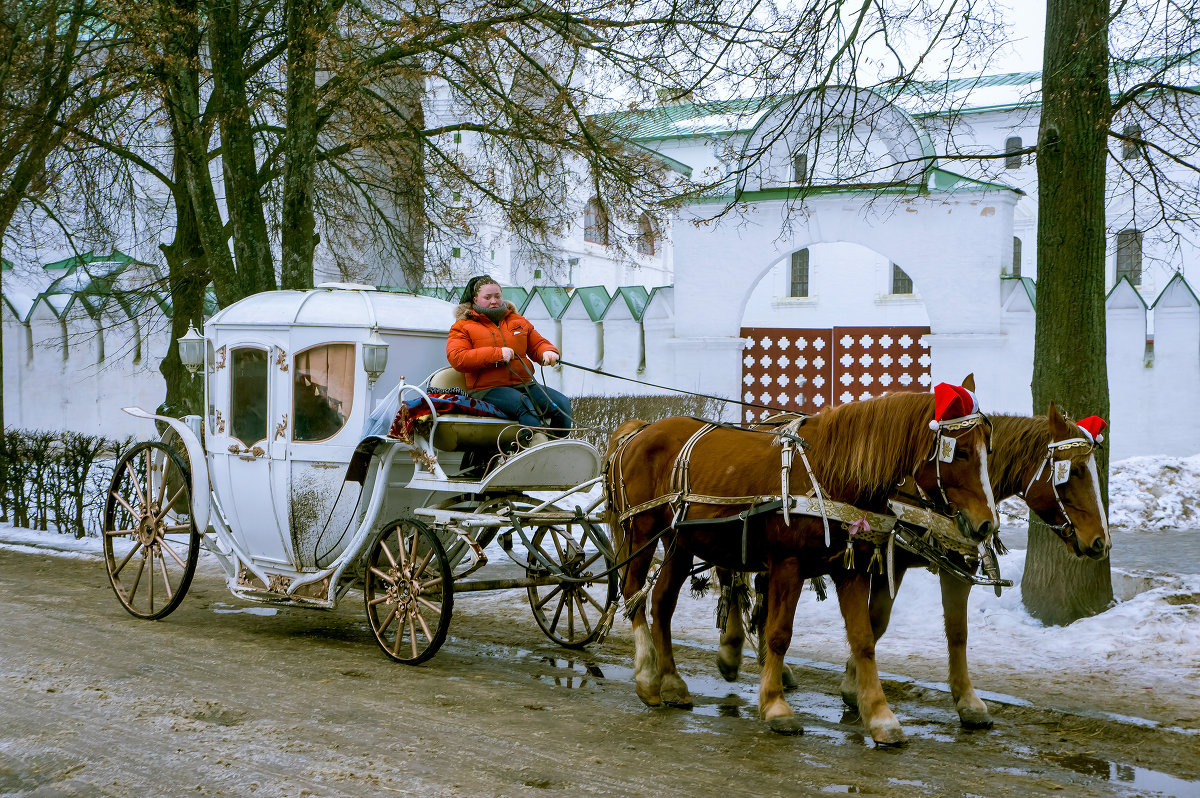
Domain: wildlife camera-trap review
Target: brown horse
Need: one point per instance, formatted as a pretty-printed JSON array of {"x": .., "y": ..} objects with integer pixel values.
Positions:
[
  {"x": 857, "y": 453},
  {"x": 1021, "y": 464}
]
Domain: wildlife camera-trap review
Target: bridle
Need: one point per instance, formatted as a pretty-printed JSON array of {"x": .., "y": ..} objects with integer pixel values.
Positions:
[
  {"x": 942, "y": 451},
  {"x": 1058, "y": 472}
]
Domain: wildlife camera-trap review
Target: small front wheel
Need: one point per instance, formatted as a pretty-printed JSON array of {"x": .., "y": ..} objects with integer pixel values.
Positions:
[
  {"x": 150, "y": 541},
  {"x": 409, "y": 591},
  {"x": 573, "y": 613}
]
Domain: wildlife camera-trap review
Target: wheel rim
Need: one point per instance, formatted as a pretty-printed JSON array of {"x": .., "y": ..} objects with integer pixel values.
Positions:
[
  {"x": 572, "y": 613},
  {"x": 150, "y": 542},
  {"x": 408, "y": 592}
]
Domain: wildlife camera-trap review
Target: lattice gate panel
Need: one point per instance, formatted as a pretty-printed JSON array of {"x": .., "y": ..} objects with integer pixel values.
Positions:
[
  {"x": 806, "y": 369},
  {"x": 789, "y": 369},
  {"x": 871, "y": 361}
]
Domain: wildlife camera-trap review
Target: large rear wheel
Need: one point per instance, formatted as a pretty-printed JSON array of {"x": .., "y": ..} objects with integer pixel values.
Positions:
[
  {"x": 408, "y": 591},
  {"x": 150, "y": 541}
]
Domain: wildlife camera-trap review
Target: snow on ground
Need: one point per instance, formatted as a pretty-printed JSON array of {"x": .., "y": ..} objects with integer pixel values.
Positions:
[{"x": 1150, "y": 639}]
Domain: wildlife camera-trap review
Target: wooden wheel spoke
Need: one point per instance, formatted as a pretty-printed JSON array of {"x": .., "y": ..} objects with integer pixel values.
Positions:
[
  {"x": 117, "y": 570},
  {"x": 385, "y": 577},
  {"x": 562, "y": 600},
  {"x": 416, "y": 542},
  {"x": 135, "y": 483},
  {"x": 387, "y": 621},
  {"x": 162, "y": 567},
  {"x": 149, "y": 478},
  {"x": 162, "y": 485},
  {"x": 420, "y": 569},
  {"x": 412, "y": 636},
  {"x": 583, "y": 618},
  {"x": 116, "y": 533},
  {"x": 150, "y": 575},
  {"x": 166, "y": 547},
  {"x": 175, "y": 498},
  {"x": 178, "y": 528},
  {"x": 429, "y": 604},
  {"x": 583, "y": 594},
  {"x": 557, "y": 589},
  {"x": 424, "y": 627},
  {"x": 125, "y": 504}
]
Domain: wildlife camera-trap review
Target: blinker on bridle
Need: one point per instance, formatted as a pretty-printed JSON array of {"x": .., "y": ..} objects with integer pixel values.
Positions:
[
  {"x": 1059, "y": 473},
  {"x": 943, "y": 448}
]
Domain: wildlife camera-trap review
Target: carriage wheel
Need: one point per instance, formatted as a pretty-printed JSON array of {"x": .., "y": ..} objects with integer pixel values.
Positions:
[
  {"x": 572, "y": 613},
  {"x": 409, "y": 592},
  {"x": 150, "y": 541}
]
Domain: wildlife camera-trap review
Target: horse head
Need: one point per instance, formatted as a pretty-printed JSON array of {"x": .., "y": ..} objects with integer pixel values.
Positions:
[
  {"x": 1065, "y": 492},
  {"x": 954, "y": 477}
]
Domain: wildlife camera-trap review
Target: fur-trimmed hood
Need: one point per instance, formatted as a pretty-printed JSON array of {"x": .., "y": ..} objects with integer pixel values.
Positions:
[{"x": 464, "y": 309}]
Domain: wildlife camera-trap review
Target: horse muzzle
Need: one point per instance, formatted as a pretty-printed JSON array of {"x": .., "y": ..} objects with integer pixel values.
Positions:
[
  {"x": 970, "y": 530},
  {"x": 1097, "y": 551}
]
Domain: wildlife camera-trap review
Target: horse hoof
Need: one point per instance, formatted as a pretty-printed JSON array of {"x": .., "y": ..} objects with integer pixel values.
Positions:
[
  {"x": 889, "y": 737},
  {"x": 785, "y": 724},
  {"x": 789, "y": 680},
  {"x": 678, "y": 702},
  {"x": 729, "y": 672},
  {"x": 975, "y": 718}
]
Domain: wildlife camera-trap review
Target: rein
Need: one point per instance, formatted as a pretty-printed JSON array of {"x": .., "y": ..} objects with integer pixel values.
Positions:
[{"x": 669, "y": 388}]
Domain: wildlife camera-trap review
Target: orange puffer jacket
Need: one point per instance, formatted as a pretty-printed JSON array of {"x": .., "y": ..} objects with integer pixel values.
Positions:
[{"x": 474, "y": 344}]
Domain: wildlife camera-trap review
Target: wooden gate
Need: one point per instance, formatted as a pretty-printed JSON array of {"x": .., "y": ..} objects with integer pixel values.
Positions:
[{"x": 804, "y": 370}]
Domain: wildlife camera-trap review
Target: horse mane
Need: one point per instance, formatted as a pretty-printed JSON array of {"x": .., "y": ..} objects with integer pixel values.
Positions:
[
  {"x": 862, "y": 450},
  {"x": 1018, "y": 445}
]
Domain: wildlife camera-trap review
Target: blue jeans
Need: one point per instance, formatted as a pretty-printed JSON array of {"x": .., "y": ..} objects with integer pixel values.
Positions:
[{"x": 531, "y": 404}]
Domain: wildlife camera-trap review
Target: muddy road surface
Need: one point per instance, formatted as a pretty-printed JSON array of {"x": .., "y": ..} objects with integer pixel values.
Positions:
[{"x": 227, "y": 698}]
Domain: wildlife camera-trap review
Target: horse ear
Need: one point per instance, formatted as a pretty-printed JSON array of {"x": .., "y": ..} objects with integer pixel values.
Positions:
[
  {"x": 969, "y": 382},
  {"x": 1059, "y": 426}
]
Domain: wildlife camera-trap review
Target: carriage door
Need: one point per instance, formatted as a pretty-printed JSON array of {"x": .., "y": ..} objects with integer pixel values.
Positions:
[
  {"x": 804, "y": 370},
  {"x": 249, "y": 473}
]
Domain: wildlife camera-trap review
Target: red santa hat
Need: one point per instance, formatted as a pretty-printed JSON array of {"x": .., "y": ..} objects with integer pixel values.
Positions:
[
  {"x": 951, "y": 401},
  {"x": 1092, "y": 426}
]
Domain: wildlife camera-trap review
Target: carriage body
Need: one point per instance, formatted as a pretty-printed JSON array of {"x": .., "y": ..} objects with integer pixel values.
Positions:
[{"x": 293, "y": 479}]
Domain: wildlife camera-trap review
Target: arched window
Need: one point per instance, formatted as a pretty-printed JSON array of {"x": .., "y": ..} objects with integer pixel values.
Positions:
[
  {"x": 647, "y": 236},
  {"x": 1012, "y": 148},
  {"x": 1129, "y": 255},
  {"x": 595, "y": 223},
  {"x": 901, "y": 282},
  {"x": 1132, "y": 149},
  {"x": 248, "y": 395},
  {"x": 799, "y": 281},
  {"x": 1016, "y": 264},
  {"x": 322, "y": 391}
]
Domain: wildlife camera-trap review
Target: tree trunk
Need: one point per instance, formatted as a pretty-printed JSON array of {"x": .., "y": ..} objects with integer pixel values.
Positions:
[
  {"x": 243, "y": 199},
  {"x": 187, "y": 276},
  {"x": 300, "y": 143},
  {"x": 1070, "y": 363}
]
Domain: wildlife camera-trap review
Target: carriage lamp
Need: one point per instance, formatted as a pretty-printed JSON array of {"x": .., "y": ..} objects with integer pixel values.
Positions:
[
  {"x": 375, "y": 356},
  {"x": 191, "y": 350}
]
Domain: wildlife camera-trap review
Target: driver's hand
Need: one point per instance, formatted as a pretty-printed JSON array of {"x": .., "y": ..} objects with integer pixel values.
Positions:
[
  {"x": 549, "y": 359},
  {"x": 506, "y": 353}
]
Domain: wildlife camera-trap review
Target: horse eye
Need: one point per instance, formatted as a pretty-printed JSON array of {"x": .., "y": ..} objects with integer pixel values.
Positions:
[{"x": 960, "y": 454}]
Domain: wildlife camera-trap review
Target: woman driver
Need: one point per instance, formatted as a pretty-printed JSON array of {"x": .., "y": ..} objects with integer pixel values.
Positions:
[{"x": 492, "y": 345}]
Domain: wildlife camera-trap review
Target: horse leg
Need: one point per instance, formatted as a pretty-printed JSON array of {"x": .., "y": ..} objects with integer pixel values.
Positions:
[
  {"x": 782, "y": 596},
  {"x": 733, "y": 635},
  {"x": 853, "y": 597},
  {"x": 972, "y": 712},
  {"x": 672, "y": 689},
  {"x": 881, "y": 603},
  {"x": 761, "y": 584},
  {"x": 645, "y": 659}
]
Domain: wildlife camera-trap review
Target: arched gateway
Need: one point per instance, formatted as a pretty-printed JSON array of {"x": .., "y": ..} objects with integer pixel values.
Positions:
[{"x": 843, "y": 166}]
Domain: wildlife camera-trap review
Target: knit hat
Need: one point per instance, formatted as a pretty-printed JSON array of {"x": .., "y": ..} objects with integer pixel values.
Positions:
[
  {"x": 473, "y": 285},
  {"x": 1092, "y": 426},
  {"x": 951, "y": 401}
]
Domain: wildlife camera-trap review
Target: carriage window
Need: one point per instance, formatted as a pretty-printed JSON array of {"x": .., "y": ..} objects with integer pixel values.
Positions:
[
  {"x": 248, "y": 395},
  {"x": 322, "y": 391}
]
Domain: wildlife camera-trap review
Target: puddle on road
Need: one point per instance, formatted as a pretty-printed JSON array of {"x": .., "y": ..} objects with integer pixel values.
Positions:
[
  {"x": 1131, "y": 775},
  {"x": 570, "y": 673},
  {"x": 222, "y": 608}
]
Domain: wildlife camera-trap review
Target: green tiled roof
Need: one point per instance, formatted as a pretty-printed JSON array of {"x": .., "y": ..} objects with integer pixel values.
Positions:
[
  {"x": 635, "y": 297},
  {"x": 516, "y": 295},
  {"x": 595, "y": 300},
  {"x": 554, "y": 298}
]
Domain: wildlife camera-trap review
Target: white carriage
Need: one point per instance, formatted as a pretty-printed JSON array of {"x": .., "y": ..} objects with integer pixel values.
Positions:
[{"x": 291, "y": 480}]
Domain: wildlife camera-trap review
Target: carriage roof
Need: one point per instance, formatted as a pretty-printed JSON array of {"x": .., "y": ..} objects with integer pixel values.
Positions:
[{"x": 338, "y": 305}]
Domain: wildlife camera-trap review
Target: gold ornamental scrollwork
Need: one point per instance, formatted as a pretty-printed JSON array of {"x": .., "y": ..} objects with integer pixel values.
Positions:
[
  {"x": 220, "y": 423},
  {"x": 220, "y": 364},
  {"x": 281, "y": 427},
  {"x": 281, "y": 359}
]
